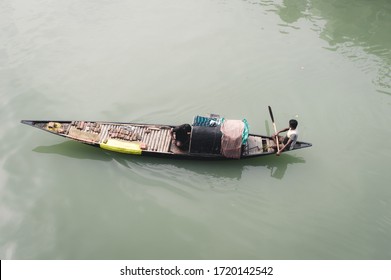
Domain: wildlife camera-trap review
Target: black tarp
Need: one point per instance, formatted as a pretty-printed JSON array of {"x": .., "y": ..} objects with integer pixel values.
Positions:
[{"x": 205, "y": 140}]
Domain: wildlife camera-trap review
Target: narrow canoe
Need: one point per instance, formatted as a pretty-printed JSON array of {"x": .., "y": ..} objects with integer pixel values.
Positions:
[{"x": 154, "y": 139}]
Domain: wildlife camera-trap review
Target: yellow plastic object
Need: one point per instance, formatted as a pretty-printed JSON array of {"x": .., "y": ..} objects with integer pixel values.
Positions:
[
  {"x": 55, "y": 127},
  {"x": 122, "y": 146}
]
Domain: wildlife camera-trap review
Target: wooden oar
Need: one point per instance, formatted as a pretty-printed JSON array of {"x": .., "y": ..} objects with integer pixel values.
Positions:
[{"x": 275, "y": 128}]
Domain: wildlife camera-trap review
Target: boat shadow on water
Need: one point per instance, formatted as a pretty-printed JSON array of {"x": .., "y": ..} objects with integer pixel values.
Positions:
[{"x": 232, "y": 169}]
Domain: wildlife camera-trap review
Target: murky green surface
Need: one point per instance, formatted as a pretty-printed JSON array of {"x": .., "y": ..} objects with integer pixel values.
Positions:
[{"x": 326, "y": 63}]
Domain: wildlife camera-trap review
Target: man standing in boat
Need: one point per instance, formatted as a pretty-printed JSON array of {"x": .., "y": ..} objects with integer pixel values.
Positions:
[{"x": 289, "y": 141}]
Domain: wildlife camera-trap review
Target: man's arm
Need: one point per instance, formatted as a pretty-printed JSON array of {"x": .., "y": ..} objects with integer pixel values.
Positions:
[{"x": 282, "y": 130}]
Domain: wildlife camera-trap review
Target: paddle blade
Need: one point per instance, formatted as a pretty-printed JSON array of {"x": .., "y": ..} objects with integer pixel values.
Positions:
[{"x": 271, "y": 113}]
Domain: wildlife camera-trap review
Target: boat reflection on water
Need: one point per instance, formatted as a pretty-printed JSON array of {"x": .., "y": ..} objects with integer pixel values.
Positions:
[{"x": 218, "y": 169}]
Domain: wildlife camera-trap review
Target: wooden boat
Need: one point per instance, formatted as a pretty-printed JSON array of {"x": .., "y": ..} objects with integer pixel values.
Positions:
[{"x": 157, "y": 140}]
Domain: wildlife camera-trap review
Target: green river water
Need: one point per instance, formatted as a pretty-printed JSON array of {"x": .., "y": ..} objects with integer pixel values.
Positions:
[{"x": 325, "y": 63}]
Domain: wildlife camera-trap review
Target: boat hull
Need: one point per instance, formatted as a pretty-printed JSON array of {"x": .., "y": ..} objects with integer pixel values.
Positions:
[{"x": 148, "y": 139}]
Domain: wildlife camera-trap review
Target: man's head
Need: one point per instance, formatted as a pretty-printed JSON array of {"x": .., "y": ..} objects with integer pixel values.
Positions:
[{"x": 293, "y": 124}]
